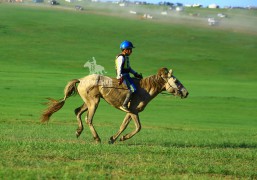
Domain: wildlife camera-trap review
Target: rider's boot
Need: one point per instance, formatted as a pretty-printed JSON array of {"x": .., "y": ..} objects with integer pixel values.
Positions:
[{"x": 124, "y": 106}]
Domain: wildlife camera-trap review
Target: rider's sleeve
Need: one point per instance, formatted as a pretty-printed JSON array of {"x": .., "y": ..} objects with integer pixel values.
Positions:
[
  {"x": 119, "y": 62},
  {"x": 132, "y": 71}
]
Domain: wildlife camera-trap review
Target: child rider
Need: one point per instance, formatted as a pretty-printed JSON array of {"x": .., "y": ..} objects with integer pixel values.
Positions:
[{"x": 123, "y": 69}]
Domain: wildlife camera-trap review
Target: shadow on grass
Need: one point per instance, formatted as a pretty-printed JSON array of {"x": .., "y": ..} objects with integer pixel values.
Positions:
[{"x": 188, "y": 145}]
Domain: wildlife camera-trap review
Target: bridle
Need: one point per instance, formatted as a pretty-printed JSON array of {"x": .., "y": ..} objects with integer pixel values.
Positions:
[
  {"x": 167, "y": 81},
  {"x": 176, "y": 90}
]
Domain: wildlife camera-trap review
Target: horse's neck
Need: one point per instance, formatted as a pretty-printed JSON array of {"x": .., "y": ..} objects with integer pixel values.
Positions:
[
  {"x": 150, "y": 87},
  {"x": 153, "y": 85}
]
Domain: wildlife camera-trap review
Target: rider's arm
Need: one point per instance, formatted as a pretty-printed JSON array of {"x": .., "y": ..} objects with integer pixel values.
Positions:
[
  {"x": 136, "y": 74},
  {"x": 132, "y": 71},
  {"x": 119, "y": 62}
]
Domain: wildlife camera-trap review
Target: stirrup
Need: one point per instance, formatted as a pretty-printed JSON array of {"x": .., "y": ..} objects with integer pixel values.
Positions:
[{"x": 124, "y": 108}]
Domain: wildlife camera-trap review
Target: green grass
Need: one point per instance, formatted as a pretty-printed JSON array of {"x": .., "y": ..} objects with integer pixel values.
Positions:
[{"x": 209, "y": 135}]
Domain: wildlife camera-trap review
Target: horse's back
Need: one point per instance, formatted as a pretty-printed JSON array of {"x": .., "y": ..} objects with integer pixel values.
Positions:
[
  {"x": 88, "y": 86},
  {"x": 88, "y": 81},
  {"x": 96, "y": 81}
]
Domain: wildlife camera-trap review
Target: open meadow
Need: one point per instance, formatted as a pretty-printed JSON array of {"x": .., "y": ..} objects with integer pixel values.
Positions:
[{"x": 210, "y": 135}]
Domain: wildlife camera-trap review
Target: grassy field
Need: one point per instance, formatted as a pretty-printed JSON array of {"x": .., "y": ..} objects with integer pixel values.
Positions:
[{"x": 210, "y": 135}]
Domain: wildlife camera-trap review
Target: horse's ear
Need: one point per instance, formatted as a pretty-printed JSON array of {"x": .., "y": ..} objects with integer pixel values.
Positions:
[
  {"x": 163, "y": 72},
  {"x": 170, "y": 73}
]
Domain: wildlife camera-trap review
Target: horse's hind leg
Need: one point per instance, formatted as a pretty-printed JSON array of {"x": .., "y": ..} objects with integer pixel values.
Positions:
[
  {"x": 78, "y": 112},
  {"x": 92, "y": 106}
]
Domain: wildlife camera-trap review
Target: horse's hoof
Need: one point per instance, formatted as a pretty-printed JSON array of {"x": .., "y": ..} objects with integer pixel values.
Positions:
[
  {"x": 77, "y": 134},
  {"x": 122, "y": 138},
  {"x": 97, "y": 140},
  {"x": 111, "y": 141}
]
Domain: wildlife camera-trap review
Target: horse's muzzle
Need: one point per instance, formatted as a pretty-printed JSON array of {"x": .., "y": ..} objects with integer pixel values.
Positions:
[{"x": 183, "y": 93}]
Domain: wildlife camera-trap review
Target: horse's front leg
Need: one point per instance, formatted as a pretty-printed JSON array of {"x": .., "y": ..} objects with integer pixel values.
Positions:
[
  {"x": 136, "y": 120},
  {"x": 122, "y": 128}
]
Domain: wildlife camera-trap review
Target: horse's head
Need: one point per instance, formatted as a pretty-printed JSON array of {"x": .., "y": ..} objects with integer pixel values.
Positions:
[{"x": 173, "y": 85}]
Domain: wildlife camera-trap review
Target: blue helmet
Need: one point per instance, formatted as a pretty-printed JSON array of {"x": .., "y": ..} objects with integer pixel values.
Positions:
[{"x": 126, "y": 45}]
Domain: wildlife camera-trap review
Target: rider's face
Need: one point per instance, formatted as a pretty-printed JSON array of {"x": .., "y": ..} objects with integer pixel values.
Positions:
[{"x": 128, "y": 51}]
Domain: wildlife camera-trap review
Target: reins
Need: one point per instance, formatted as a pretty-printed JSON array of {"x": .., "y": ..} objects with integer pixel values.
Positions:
[{"x": 114, "y": 87}]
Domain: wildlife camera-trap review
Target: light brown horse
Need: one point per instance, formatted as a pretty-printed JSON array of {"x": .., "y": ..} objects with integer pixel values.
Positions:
[{"x": 93, "y": 87}]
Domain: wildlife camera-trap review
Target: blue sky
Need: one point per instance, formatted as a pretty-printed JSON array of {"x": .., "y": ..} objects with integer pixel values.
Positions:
[{"x": 221, "y": 3}]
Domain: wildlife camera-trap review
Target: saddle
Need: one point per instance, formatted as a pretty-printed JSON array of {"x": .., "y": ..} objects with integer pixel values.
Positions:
[{"x": 114, "y": 93}]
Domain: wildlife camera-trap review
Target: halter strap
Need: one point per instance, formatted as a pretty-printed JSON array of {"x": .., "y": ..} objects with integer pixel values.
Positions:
[{"x": 168, "y": 83}]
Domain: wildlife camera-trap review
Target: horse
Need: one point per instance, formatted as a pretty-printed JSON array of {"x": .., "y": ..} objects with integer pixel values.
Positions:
[{"x": 93, "y": 87}]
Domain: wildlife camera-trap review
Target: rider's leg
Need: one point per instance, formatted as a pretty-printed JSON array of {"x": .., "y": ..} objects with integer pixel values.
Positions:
[
  {"x": 131, "y": 89},
  {"x": 126, "y": 101}
]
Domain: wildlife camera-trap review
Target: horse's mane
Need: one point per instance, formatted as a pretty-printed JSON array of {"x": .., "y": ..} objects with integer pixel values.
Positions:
[{"x": 154, "y": 82}]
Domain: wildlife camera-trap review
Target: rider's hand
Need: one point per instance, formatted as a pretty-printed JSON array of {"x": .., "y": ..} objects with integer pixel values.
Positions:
[
  {"x": 139, "y": 76},
  {"x": 120, "y": 80}
]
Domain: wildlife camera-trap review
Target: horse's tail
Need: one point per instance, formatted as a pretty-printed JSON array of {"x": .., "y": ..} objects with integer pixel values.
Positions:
[{"x": 56, "y": 105}]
